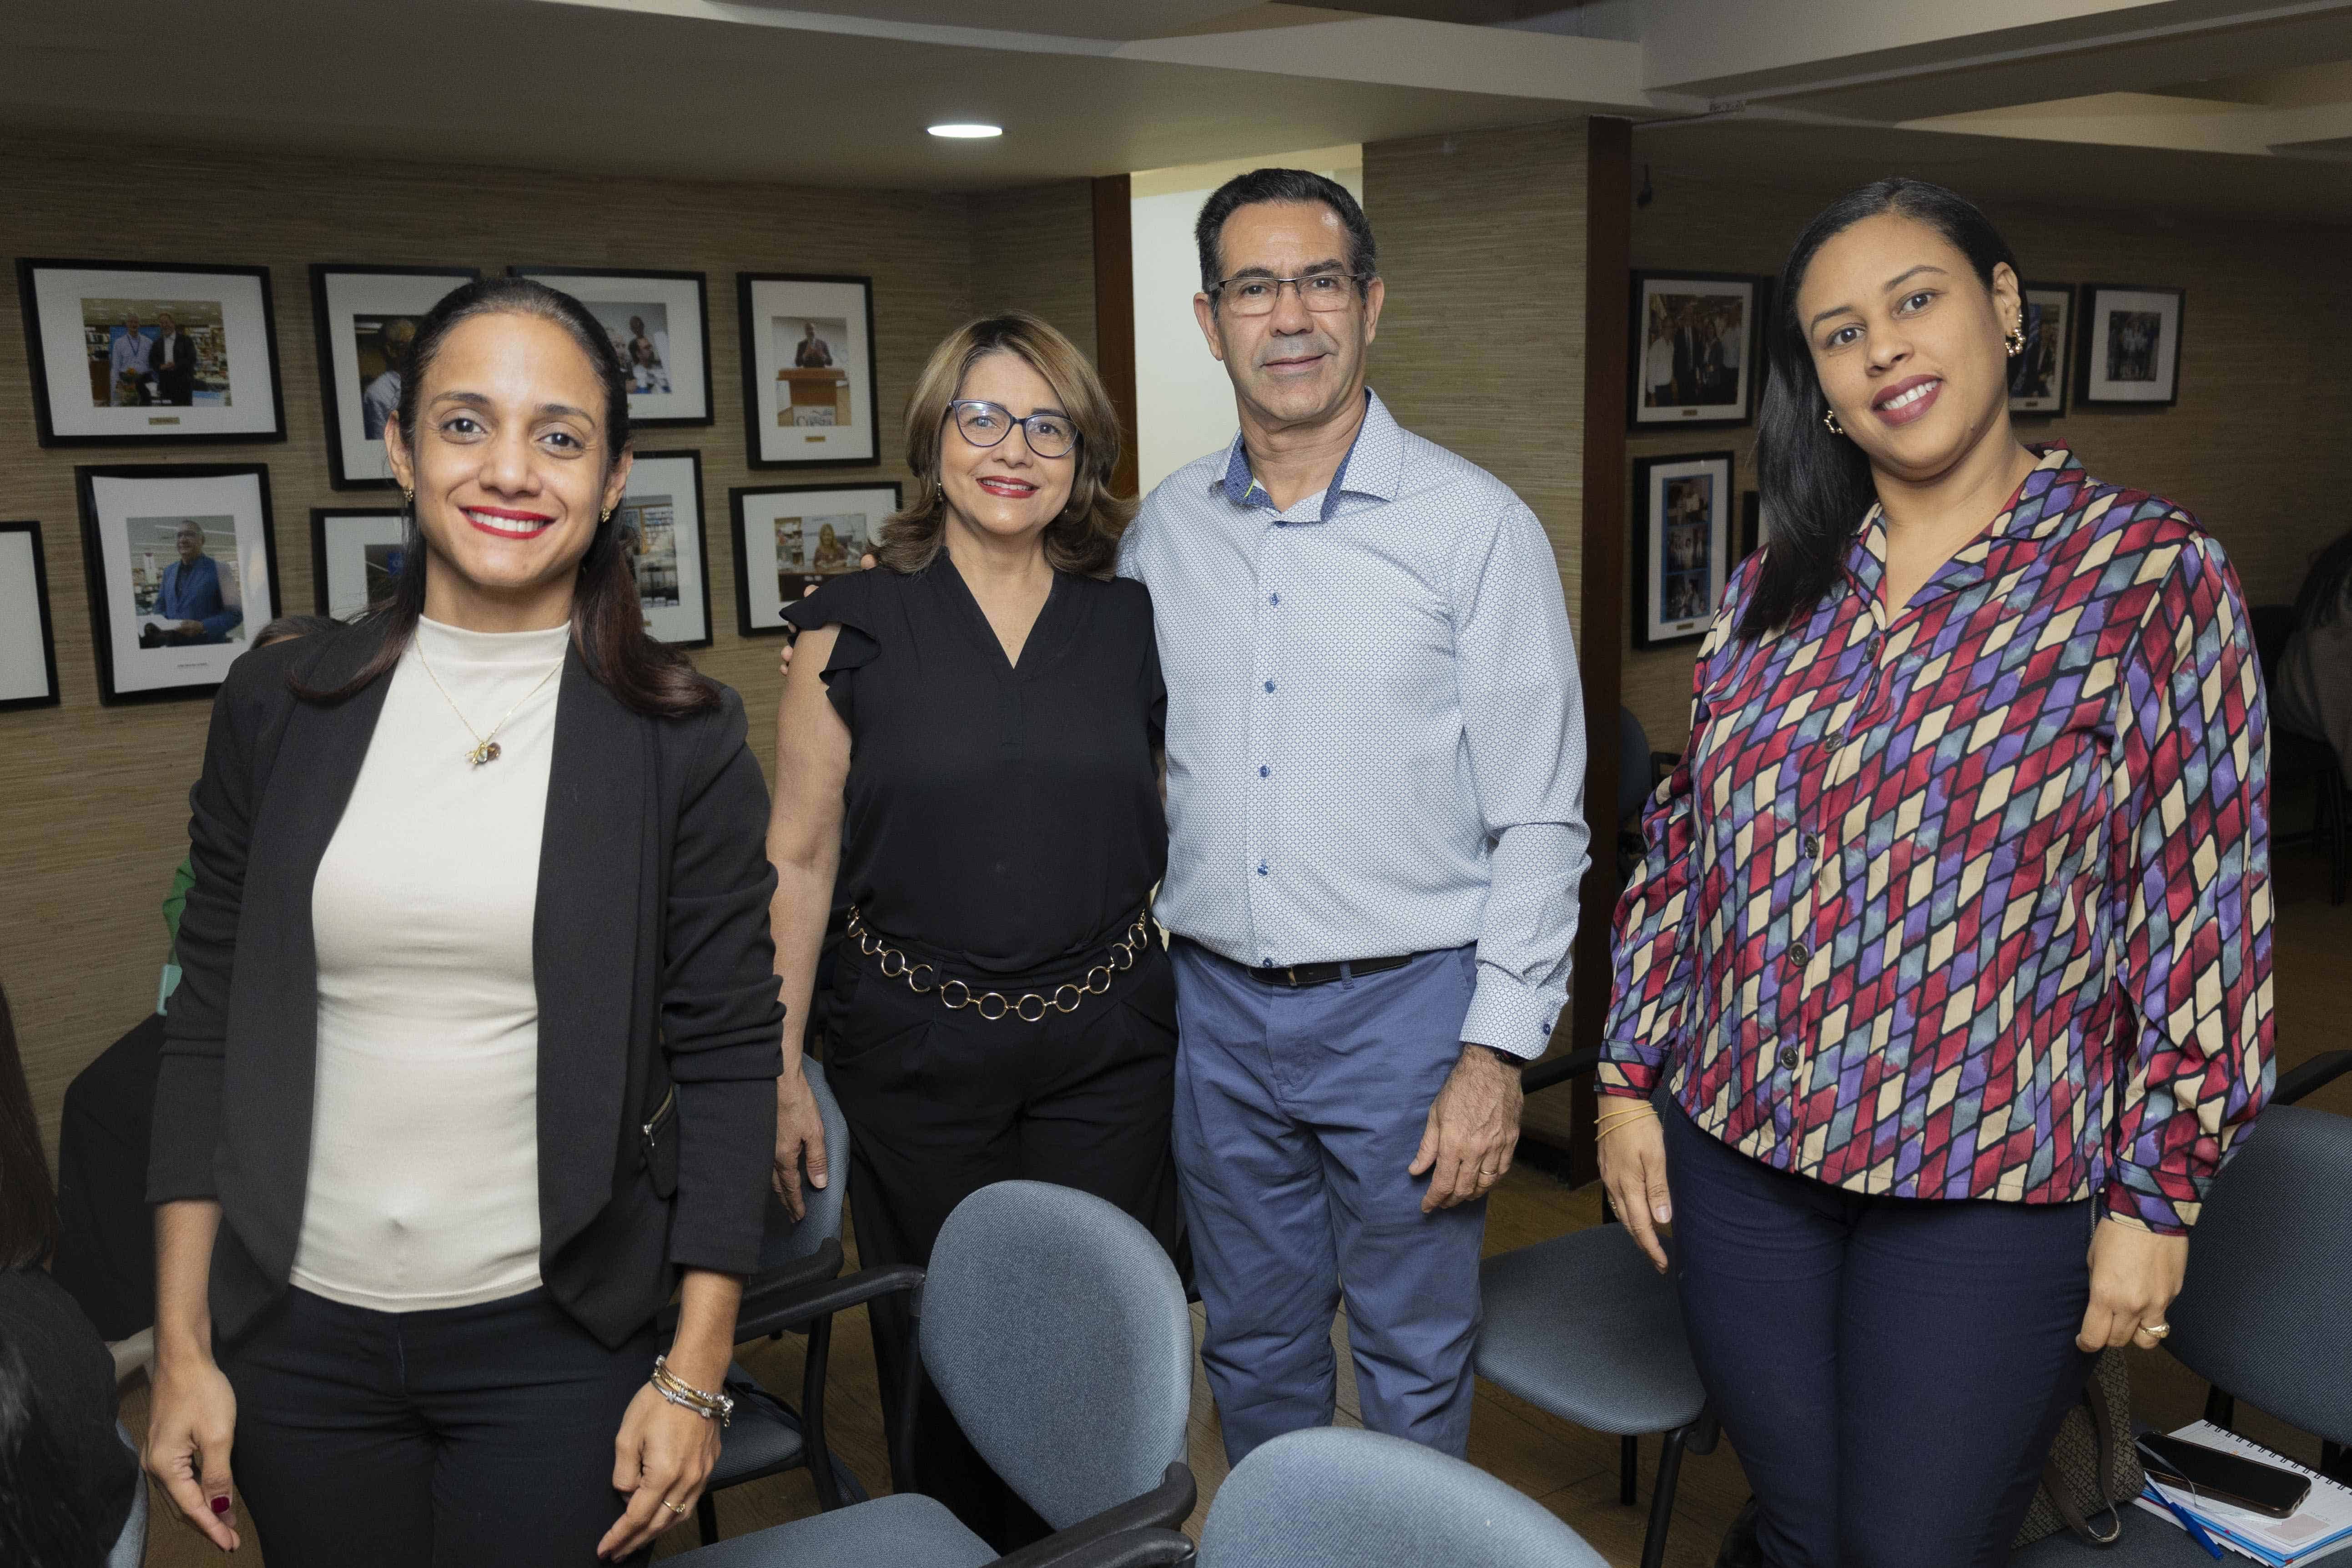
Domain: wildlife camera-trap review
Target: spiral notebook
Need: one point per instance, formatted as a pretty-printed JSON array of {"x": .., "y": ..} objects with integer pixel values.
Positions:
[{"x": 2320, "y": 1527}]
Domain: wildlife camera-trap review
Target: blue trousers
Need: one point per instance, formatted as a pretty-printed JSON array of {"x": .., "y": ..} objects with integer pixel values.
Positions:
[
  {"x": 1297, "y": 1113},
  {"x": 1891, "y": 1369}
]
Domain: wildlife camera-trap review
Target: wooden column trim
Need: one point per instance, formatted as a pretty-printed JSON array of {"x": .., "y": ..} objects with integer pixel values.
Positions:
[
  {"x": 1600, "y": 610},
  {"x": 1115, "y": 316}
]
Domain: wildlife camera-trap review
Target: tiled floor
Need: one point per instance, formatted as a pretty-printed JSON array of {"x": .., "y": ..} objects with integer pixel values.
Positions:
[{"x": 1573, "y": 1472}]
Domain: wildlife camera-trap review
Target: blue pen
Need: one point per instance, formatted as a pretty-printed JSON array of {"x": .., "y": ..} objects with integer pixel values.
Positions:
[{"x": 2189, "y": 1522}]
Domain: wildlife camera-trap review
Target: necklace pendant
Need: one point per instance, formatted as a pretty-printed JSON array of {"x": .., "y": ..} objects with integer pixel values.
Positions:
[{"x": 487, "y": 751}]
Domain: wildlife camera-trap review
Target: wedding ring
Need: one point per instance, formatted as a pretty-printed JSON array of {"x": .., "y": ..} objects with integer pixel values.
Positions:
[
  {"x": 2156, "y": 1330},
  {"x": 673, "y": 1507}
]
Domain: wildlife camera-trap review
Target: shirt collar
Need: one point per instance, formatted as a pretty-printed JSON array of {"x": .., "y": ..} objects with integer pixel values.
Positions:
[
  {"x": 1373, "y": 465},
  {"x": 2033, "y": 512}
]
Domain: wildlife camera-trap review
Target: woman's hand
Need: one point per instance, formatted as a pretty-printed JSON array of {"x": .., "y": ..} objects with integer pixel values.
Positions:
[
  {"x": 2135, "y": 1275},
  {"x": 800, "y": 1137},
  {"x": 661, "y": 1459},
  {"x": 1634, "y": 1170},
  {"x": 191, "y": 1426}
]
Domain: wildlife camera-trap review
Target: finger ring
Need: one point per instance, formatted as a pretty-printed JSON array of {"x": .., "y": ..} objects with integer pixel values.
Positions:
[
  {"x": 673, "y": 1507},
  {"x": 2156, "y": 1330}
]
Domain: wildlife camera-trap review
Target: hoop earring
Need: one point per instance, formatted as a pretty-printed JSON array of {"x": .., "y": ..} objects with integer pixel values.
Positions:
[
  {"x": 1828, "y": 421},
  {"x": 2016, "y": 341}
]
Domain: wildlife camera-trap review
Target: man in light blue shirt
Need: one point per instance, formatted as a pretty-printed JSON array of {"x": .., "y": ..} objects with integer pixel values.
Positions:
[
  {"x": 1375, "y": 770},
  {"x": 127, "y": 359}
]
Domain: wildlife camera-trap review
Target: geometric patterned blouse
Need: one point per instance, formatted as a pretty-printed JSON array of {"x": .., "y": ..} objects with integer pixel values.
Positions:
[{"x": 1972, "y": 900}]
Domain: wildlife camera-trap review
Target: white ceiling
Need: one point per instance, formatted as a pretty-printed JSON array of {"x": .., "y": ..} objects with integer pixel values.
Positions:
[{"x": 2221, "y": 105}]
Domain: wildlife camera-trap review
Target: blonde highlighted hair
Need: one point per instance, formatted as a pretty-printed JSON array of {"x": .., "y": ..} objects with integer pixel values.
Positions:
[{"x": 1084, "y": 538}]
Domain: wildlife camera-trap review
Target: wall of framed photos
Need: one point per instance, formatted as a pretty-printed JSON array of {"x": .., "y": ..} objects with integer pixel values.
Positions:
[
  {"x": 97, "y": 796},
  {"x": 2254, "y": 445}
]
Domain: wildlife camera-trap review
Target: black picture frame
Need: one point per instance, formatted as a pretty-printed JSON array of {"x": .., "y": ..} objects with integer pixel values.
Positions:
[
  {"x": 328, "y": 330},
  {"x": 737, "y": 499},
  {"x": 322, "y": 584},
  {"x": 1651, "y": 548},
  {"x": 1749, "y": 376},
  {"x": 756, "y": 372},
  {"x": 2021, "y": 405},
  {"x": 40, "y": 586},
  {"x": 29, "y": 270},
  {"x": 697, "y": 536},
  {"x": 2092, "y": 303},
  {"x": 555, "y": 277},
  {"x": 102, "y": 599}
]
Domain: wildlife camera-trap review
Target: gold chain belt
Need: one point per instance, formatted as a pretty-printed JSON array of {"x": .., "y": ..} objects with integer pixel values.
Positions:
[{"x": 897, "y": 966}]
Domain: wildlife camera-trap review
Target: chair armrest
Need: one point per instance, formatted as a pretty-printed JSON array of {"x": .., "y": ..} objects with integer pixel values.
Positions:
[
  {"x": 1166, "y": 1504},
  {"x": 1559, "y": 1069},
  {"x": 1129, "y": 1548},
  {"x": 821, "y": 1264},
  {"x": 2317, "y": 1073},
  {"x": 769, "y": 1312}
]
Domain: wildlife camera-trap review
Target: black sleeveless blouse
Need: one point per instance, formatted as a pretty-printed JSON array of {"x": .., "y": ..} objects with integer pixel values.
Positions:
[{"x": 1007, "y": 817}]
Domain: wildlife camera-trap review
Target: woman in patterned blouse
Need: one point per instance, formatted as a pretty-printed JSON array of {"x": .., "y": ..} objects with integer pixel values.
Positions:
[{"x": 1951, "y": 949}]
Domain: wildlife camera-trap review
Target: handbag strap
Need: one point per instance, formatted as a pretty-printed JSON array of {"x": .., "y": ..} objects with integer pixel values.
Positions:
[{"x": 2103, "y": 1442}]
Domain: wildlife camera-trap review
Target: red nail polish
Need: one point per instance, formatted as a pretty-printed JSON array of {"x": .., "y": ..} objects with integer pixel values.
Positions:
[{"x": 220, "y": 1505}]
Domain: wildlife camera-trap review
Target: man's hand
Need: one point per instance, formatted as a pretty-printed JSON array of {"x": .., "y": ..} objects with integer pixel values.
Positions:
[
  {"x": 2135, "y": 1275},
  {"x": 1473, "y": 1125}
]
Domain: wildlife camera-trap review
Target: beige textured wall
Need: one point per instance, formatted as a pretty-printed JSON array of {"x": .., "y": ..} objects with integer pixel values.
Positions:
[
  {"x": 96, "y": 797},
  {"x": 2260, "y": 446},
  {"x": 1481, "y": 344},
  {"x": 1033, "y": 250}
]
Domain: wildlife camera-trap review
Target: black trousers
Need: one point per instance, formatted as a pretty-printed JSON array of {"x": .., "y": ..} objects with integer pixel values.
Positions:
[
  {"x": 477, "y": 1435},
  {"x": 941, "y": 1103},
  {"x": 1891, "y": 1369}
]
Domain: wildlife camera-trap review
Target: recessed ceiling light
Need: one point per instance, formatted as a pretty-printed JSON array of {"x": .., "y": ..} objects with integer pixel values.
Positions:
[{"x": 967, "y": 133}]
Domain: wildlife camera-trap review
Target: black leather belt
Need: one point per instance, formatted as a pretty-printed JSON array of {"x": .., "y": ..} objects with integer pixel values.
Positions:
[{"x": 1298, "y": 976}]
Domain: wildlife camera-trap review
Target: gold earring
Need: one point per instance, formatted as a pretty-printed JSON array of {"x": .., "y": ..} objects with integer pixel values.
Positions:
[
  {"x": 604, "y": 516},
  {"x": 1829, "y": 419},
  {"x": 2016, "y": 340},
  {"x": 408, "y": 495}
]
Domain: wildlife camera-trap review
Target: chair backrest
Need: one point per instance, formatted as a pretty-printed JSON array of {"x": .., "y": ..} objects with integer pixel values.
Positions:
[
  {"x": 1055, "y": 1329},
  {"x": 2266, "y": 1311},
  {"x": 1633, "y": 763},
  {"x": 788, "y": 1240},
  {"x": 1332, "y": 1497}
]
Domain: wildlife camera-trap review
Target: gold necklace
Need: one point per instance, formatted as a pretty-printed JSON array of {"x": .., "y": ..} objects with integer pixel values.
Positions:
[{"x": 485, "y": 747}]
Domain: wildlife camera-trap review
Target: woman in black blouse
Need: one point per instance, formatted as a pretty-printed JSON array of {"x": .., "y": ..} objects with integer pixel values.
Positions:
[{"x": 986, "y": 708}]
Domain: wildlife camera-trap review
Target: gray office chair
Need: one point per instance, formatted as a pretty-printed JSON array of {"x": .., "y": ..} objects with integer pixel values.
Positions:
[
  {"x": 799, "y": 1259},
  {"x": 2266, "y": 1310},
  {"x": 1583, "y": 1327},
  {"x": 1056, "y": 1331},
  {"x": 1332, "y": 1497},
  {"x": 130, "y": 1549}
]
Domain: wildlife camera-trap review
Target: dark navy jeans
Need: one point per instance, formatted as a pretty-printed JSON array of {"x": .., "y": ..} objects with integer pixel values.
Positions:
[
  {"x": 1891, "y": 1370},
  {"x": 1298, "y": 1114}
]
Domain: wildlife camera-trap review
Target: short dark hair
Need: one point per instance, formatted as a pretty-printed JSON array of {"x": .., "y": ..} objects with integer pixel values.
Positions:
[{"x": 1281, "y": 185}]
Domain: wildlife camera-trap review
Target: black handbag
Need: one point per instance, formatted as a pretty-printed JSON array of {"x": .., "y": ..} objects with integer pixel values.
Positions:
[{"x": 2093, "y": 1468}]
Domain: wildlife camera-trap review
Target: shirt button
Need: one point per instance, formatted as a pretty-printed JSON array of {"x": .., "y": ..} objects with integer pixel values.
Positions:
[
  {"x": 1787, "y": 1055},
  {"x": 1269, "y": 686},
  {"x": 1813, "y": 846},
  {"x": 1799, "y": 953},
  {"x": 1263, "y": 772},
  {"x": 1274, "y": 598},
  {"x": 1261, "y": 868}
]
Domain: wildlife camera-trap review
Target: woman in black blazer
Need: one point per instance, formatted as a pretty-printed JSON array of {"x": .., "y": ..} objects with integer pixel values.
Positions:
[{"x": 475, "y": 1049}]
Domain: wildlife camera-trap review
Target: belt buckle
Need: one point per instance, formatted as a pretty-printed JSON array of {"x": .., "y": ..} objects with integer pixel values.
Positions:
[{"x": 1290, "y": 974}]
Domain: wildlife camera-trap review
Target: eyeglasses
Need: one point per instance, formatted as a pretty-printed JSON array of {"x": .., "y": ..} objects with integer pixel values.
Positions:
[
  {"x": 1256, "y": 296},
  {"x": 988, "y": 424}
]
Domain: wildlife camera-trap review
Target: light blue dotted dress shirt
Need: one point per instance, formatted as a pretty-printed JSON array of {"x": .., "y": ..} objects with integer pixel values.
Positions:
[{"x": 1375, "y": 730}]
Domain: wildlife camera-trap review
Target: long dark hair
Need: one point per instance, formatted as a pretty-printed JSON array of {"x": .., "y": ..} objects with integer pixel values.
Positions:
[
  {"x": 607, "y": 620},
  {"x": 1816, "y": 486},
  {"x": 28, "y": 1202},
  {"x": 2327, "y": 587}
]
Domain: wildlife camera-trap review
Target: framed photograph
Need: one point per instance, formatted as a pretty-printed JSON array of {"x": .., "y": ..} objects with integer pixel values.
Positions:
[
  {"x": 2130, "y": 350},
  {"x": 127, "y": 351},
  {"x": 1682, "y": 545},
  {"x": 790, "y": 538},
  {"x": 808, "y": 369},
  {"x": 355, "y": 555},
  {"x": 659, "y": 322},
  {"x": 1697, "y": 340},
  {"x": 2037, "y": 378},
  {"x": 661, "y": 529},
  {"x": 28, "y": 648},
  {"x": 367, "y": 317},
  {"x": 182, "y": 570}
]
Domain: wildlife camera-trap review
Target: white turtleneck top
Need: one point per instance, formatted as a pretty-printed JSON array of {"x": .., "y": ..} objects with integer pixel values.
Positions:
[{"x": 423, "y": 1177}]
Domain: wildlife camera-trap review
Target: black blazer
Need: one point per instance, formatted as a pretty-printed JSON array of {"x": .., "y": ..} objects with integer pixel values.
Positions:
[{"x": 653, "y": 962}]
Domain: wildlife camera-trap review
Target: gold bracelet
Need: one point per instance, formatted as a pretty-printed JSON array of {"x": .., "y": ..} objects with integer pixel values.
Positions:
[
  {"x": 719, "y": 1406},
  {"x": 1620, "y": 1124},
  {"x": 1618, "y": 1113}
]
